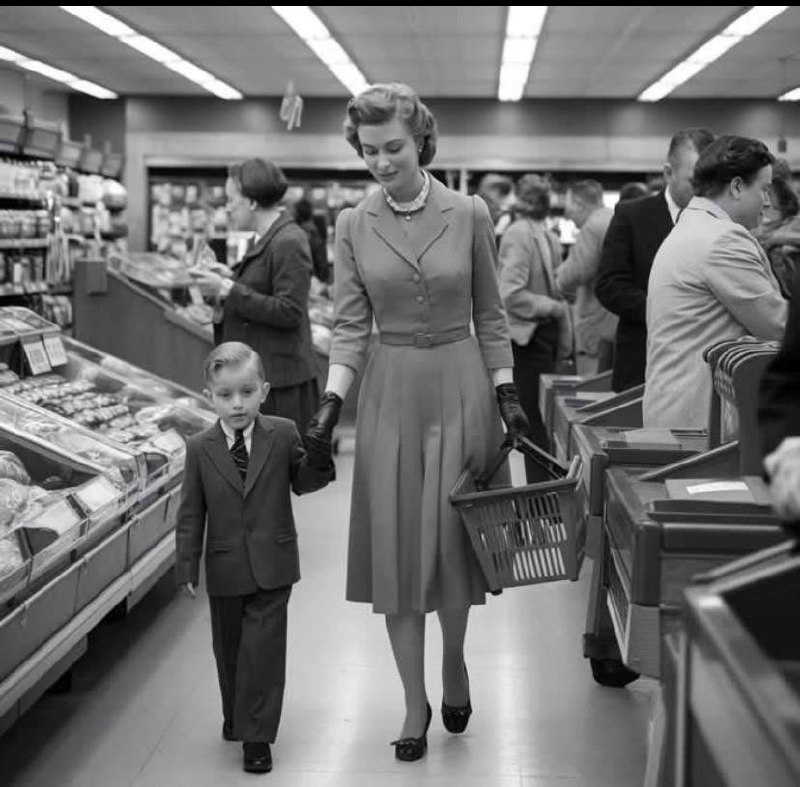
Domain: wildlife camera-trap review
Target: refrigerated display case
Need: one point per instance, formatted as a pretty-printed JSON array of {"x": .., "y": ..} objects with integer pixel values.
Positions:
[{"x": 91, "y": 458}]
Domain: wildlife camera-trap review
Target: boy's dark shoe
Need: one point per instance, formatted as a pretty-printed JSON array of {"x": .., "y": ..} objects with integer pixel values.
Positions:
[
  {"x": 227, "y": 731},
  {"x": 257, "y": 757}
]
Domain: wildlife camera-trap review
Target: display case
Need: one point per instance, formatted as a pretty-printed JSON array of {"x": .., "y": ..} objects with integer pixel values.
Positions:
[
  {"x": 120, "y": 404},
  {"x": 660, "y": 529},
  {"x": 91, "y": 455},
  {"x": 736, "y": 721}
]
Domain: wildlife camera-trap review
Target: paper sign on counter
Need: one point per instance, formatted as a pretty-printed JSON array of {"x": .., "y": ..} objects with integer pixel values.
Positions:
[
  {"x": 55, "y": 350},
  {"x": 170, "y": 442},
  {"x": 37, "y": 356},
  {"x": 718, "y": 486},
  {"x": 59, "y": 518},
  {"x": 97, "y": 493}
]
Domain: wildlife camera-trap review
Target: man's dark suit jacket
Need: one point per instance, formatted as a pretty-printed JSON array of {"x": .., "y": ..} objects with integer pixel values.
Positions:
[
  {"x": 779, "y": 406},
  {"x": 268, "y": 305},
  {"x": 251, "y": 540},
  {"x": 635, "y": 234}
]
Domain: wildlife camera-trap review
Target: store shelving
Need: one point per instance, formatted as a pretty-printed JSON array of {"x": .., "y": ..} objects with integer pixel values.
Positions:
[{"x": 24, "y": 243}]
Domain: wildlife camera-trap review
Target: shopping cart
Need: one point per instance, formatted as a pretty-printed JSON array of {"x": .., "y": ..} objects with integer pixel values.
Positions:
[{"x": 529, "y": 534}]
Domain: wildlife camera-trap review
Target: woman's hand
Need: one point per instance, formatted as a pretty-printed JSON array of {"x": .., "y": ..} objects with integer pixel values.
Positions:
[
  {"x": 320, "y": 428},
  {"x": 212, "y": 284},
  {"x": 511, "y": 411}
]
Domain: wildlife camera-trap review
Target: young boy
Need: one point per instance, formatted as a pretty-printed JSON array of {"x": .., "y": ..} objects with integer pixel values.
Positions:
[{"x": 237, "y": 479}]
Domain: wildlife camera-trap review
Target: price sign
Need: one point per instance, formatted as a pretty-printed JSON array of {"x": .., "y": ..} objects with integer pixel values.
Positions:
[
  {"x": 170, "y": 442},
  {"x": 13, "y": 324},
  {"x": 37, "y": 356},
  {"x": 97, "y": 493},
  {"x": 55, "y": 350},
  {"x": 58, "y": 517},
  {"x": 196, "y": 296}
]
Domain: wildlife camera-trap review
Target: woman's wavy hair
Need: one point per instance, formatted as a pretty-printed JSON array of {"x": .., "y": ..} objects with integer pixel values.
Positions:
[{"x": 380, "y": 104}]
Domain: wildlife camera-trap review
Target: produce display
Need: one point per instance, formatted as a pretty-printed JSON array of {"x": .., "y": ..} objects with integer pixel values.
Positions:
[{"x": 31, "y": 486}]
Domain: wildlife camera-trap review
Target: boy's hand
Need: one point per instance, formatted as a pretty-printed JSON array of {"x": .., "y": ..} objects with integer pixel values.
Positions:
[{"x": 190, "y": 590}]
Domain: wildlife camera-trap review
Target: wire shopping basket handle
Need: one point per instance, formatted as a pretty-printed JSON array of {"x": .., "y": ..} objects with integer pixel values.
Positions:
[{"x": 525, "y": 446}]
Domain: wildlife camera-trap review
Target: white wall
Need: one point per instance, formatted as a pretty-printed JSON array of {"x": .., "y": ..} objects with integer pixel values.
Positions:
[{"x": 19, "y": 91}]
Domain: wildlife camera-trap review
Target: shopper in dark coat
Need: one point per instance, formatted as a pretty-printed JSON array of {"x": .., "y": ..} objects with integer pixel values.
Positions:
[
  {"x": 779, "y": 415},
  {"x": 265, "y": 301},
  {"x": 634, "y": 236}
]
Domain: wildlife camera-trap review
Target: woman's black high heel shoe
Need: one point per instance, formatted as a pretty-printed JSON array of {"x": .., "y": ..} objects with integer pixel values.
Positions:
[
  {"x": 412, "y": 749},
  {"x": 455, "y": 717}
]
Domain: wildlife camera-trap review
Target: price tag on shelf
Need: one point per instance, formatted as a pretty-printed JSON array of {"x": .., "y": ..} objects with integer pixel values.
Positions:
[
  {"x": 36, "y": 356},
  {"x": 16, "y": 325},
  {"x": 58, "y": 517},
  {"x": 55, "y": 350},
  {"x": 97, "y": 493},
  {"x": 196, "y": 296},
  {"x": 170, "y": 442}
]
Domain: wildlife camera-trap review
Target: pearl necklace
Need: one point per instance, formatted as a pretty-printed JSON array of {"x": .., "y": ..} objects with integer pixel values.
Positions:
[{"x": 407, "y": 208}]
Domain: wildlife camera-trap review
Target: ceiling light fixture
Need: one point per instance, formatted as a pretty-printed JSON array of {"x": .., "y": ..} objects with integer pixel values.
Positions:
[
  {"x": 317, "y": 37},
  {"x": 56, "y": 74},
  {"x": 523, "y": 27},
  {"x": 115, "y": 28},
  {"x": 741, "y": 27}
]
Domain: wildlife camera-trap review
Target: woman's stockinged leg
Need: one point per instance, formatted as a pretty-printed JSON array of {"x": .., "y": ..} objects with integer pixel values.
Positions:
[
  {"x": 407, "y": 636},
  {"x": 454, "y": 677}
]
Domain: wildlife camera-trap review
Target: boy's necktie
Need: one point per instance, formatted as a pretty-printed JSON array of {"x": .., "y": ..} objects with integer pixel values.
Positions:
[{"x": 239, "y": 453}]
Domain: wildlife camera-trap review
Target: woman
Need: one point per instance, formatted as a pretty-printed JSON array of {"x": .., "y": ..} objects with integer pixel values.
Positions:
[
  {"x": 264, "y": 302},
  {"x": 529, "y": 256},
  {"x": 421, "y": 259},
  {"x": 779, "y": 234}
]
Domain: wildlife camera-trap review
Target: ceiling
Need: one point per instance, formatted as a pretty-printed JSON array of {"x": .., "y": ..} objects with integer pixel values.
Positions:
[{"x": 584, "y": 51}]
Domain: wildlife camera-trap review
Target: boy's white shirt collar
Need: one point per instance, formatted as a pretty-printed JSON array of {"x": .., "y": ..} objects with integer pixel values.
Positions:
[{"x": 230, "y": 436}]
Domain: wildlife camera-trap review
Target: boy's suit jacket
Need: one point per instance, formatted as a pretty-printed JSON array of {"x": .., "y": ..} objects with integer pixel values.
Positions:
[{"x": 252, "y": 540}]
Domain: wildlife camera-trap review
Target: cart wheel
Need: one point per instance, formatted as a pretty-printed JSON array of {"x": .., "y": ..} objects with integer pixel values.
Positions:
[{"x": 613, "y": 673}]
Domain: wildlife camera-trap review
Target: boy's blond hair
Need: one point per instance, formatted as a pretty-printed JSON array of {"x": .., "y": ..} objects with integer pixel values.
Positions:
[{"x": 232, "y": 354}]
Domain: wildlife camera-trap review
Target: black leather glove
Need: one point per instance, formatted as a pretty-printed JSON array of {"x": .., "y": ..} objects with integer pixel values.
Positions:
[
  {"x": 319, "y": 453},
  {"x": 511, "y": 411},
  {"x": 320, "y": 427}
]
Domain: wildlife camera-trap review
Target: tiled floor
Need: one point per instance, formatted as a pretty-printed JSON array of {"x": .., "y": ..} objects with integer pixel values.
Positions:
[{"x": 144, "y": 709}]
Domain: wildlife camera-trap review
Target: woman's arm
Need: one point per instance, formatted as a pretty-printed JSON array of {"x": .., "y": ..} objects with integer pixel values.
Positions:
[{"x": 352, "y": 313}]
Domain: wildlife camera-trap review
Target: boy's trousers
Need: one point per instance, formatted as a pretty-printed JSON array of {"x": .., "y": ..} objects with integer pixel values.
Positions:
[{"x": 249, "y": 637}]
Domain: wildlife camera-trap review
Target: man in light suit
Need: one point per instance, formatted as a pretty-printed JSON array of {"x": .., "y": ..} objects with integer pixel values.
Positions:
[
  {"x": 236, "y": 488},
  {"x": 710, "y": 281},
  {"x": 634, "y": 235}
]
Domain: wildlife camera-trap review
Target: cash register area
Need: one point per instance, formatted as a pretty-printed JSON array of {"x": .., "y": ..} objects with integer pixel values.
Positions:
[{"x": 144, "y": 710}]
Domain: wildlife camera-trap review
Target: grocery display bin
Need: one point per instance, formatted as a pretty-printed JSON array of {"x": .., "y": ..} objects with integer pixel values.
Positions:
[
  {"x": 652, "y": 546},
  {"x": 552, "y": 385},
  {"x": 597, "y": 409},
  {"x": 601, "y": 447},
  {"x": 737, "y": 719}
]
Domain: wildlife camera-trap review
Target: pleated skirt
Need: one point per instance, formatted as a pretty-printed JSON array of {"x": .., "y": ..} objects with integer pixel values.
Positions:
[{"x": 424, "y": 415}]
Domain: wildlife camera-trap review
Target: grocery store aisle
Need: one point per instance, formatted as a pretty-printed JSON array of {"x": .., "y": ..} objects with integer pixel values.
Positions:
[{"x": 144, "y": 708}]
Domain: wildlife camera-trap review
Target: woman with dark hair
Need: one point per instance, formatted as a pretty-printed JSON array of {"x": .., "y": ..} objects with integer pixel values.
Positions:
[
  {"x": 420, "y": 259},
  {"x": 633, "y": 190},
  {"x": 264, "y": 302},
  {"x": 529, "y": 256},
  {"x": 779, "y": 233}
]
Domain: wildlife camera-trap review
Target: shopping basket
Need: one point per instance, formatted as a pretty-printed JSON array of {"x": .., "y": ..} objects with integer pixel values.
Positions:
[{"x": 529, "y": 534}]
